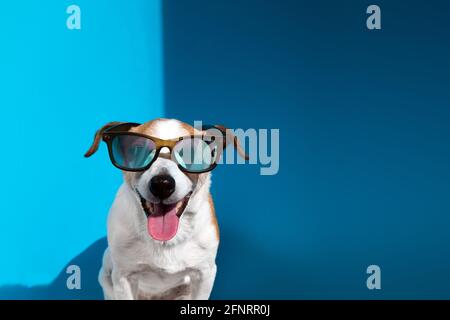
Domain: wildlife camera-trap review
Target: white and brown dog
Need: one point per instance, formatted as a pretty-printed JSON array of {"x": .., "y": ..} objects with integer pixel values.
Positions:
[{"x": 171, "y": 254}]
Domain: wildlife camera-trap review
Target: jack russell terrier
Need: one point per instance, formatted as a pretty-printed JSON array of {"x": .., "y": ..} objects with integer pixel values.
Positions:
[{"x": 162, "y": 229}]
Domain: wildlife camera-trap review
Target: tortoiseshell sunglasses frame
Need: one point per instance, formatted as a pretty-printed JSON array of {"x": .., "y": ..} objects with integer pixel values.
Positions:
[{"x": 122, "y": 130}]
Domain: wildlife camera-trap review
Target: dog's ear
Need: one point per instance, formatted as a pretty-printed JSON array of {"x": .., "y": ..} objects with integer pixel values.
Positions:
[
  {"x": 229, "y": 136},
  {"x": 98, "y": 137}
]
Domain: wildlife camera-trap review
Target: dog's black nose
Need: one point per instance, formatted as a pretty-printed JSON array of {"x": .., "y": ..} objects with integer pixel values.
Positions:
[{"x": 162, "y": 186}]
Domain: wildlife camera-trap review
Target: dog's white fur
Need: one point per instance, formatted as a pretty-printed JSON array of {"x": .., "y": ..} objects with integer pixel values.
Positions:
[{"x": 135, "y": 266}]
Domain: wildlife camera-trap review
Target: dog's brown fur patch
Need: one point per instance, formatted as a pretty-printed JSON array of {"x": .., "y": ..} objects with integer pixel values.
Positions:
[{"x": 213, "y": 216}]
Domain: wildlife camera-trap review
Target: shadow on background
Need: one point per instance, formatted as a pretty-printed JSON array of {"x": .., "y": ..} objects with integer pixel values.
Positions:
[{"x": 89, "y": 262}]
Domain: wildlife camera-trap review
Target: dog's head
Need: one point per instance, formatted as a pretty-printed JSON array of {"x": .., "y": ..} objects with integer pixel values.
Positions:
[{"x": 164, "y": 192}]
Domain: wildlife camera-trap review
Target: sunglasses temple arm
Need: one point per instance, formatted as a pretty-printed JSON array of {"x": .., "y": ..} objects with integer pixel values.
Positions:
[
  {"x": 239, "y": 149},
  {"x": 228, "y": 135}
]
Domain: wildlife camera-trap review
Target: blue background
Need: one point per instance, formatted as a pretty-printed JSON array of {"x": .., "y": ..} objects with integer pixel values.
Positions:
[
  {"x": 364, "y": 138},
  {"x": 58, "y": 86}
]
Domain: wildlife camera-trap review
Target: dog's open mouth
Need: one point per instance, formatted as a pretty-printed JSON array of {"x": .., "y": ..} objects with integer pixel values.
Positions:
[{"x": 163, "y": 219}]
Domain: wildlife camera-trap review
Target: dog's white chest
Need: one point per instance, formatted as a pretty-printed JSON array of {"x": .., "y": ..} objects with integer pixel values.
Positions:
[
  {"x": 137, "y": 267},
  {"x": 167, "y": 272}
]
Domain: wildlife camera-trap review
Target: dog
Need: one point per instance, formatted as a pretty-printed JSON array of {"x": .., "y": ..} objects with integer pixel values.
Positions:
[{"x": 162, "y": 229}]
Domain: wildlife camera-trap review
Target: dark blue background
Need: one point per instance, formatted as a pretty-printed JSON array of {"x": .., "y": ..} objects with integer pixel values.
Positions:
[
  {"x": 364, "y": 154},
  {"x": 364, "y": 145}
]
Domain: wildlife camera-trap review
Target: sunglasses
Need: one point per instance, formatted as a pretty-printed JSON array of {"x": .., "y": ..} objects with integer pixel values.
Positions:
[{"x": 132, "y": 151}]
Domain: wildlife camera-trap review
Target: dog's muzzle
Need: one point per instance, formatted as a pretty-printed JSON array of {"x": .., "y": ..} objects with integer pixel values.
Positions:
[{"x": 163, "y": 219}]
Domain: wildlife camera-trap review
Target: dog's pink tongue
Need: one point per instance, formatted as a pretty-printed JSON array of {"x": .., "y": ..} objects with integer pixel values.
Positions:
[{"x": 163, "y": 223}]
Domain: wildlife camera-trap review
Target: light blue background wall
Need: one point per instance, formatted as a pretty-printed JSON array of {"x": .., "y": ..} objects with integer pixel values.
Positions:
[{"x": 57, "y": 86}]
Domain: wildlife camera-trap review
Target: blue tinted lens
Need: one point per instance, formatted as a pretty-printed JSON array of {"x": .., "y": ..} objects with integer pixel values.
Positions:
[
  {"x": 133, "y": 152},
  {"x": 194, "y": 154}
]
